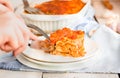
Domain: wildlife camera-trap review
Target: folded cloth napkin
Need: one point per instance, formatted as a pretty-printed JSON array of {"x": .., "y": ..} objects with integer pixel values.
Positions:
[{"x": 109, "y": 43}]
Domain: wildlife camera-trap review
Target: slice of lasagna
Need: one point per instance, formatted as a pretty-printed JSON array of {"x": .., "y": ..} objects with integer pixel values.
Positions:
[{"x": 64, "y": 42}]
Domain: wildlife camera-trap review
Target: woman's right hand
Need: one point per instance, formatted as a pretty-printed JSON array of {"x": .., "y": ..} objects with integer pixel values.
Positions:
[{"x": 14, "y": 34}]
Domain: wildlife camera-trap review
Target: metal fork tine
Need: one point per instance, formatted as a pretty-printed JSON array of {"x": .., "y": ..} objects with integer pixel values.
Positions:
[
  {"x": 30, "y": 9},
  {"x": 35, "y": 11}
]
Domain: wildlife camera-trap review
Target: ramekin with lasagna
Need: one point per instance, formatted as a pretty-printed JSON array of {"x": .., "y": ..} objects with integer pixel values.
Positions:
[{"x": 65, "y": 42}]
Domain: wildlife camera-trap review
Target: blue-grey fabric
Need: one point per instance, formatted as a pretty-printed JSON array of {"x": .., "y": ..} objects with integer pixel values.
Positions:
[{"x": 9, "y": 62}]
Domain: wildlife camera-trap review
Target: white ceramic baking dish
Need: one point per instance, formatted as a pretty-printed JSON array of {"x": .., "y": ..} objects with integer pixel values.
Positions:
[{"x": 51, "y": 23}]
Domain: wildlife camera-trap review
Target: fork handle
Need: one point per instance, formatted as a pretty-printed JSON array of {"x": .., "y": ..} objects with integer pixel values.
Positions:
[{"x": 26, "y": 4}]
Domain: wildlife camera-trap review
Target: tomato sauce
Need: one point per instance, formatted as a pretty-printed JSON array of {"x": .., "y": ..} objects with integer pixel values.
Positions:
[{"x": 57, "y": 7}]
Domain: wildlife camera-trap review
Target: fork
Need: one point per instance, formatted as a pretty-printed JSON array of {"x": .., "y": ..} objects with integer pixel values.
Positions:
[
  {"x": 29, "y": 9},
  {"x": 39, "y": 30}
]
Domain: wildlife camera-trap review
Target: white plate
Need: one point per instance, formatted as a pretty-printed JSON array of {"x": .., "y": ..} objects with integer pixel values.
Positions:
[
  {"x": 39, "y": 55},
  {"x": 69, "y": 67},
  {"x": 54, "y": 64}
]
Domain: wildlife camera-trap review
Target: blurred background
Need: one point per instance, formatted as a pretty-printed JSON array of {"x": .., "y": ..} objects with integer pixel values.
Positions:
[{"x": 106, "y": 11}]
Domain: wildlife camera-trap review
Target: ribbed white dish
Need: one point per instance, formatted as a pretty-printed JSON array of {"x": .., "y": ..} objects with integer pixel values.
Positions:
[{"x": 51, "y": 23}]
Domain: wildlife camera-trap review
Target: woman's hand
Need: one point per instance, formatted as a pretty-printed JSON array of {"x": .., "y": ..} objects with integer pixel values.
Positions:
[
  {"x": 118, "y": 28},
  {"x": 14, "y": 35}
]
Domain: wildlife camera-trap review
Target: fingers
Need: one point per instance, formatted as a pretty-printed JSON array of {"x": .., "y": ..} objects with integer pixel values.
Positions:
[
  {"x": 19, "y": 17},
  {"x": 22, "y": 47},
  {"x": 6, "y": 48},
  {"x": 19, "y": 50},
  {"x": 27, "y": 32},
  {"x": 33, "y": 37},
  {"x": 9, "y": 40},
  {"x": 2, "y": 40},
  {"x": 17, "y": 35},
  {"x": 13, "y": 41},
  {"x": 8, "y": 5},
  {"x": 10, "y": 45},
  {"x": 25, "y": 29},
  {"x": 20, "y": 36},
  {"x": 23, "y": 39},
  {"x": 17, "y": 41}
]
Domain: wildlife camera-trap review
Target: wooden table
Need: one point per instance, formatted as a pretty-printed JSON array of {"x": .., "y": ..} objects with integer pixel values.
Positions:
[{"x": 21, "y": 74}]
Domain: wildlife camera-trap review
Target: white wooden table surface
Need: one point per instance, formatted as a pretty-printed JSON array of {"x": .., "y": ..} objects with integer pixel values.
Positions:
[{"x": 21, "y": 74}]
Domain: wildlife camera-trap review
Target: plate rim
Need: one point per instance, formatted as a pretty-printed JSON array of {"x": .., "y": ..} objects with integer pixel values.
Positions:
[{"x": 52, "y": 62}]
